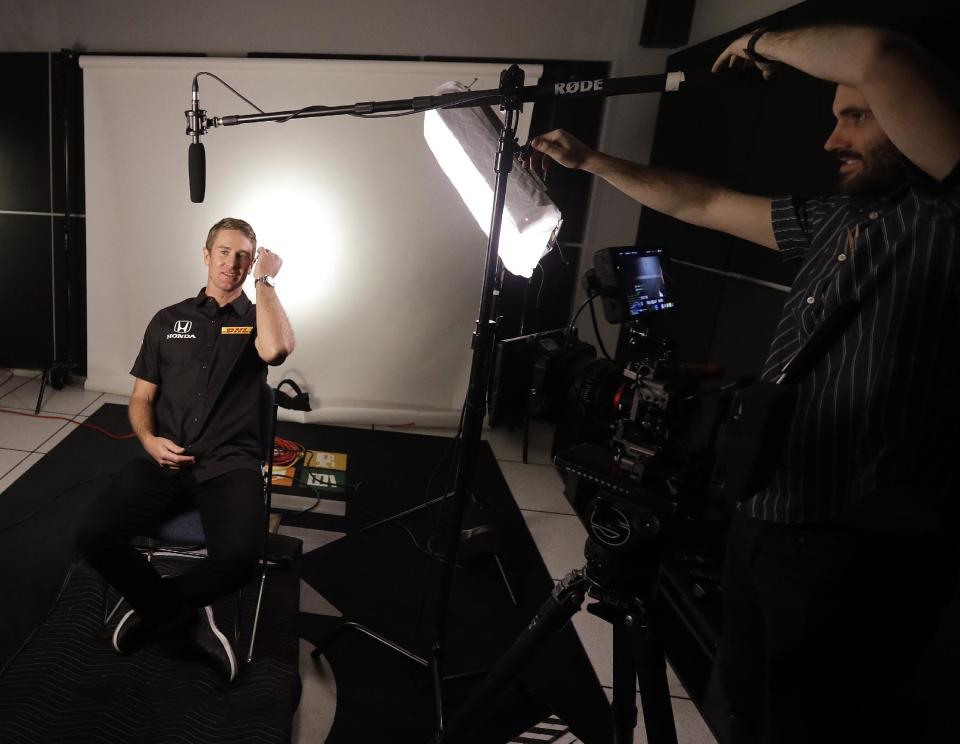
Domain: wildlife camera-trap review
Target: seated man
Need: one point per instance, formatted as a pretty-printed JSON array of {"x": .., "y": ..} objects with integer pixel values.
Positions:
[{"x": 195, "y": 409}]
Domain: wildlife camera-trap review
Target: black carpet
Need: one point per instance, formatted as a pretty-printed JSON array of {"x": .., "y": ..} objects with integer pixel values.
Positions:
[
  {"x": 69, "y": 685},
  {"x": 61, "y": 679},
  {"x": 383, "y": 578},
  {"x": 380, "y": 578}
]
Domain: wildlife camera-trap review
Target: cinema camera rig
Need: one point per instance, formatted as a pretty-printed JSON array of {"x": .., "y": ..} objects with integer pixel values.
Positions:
[
  {"x": 631, "y": 475},
  {"x": 634, "y": 467}
]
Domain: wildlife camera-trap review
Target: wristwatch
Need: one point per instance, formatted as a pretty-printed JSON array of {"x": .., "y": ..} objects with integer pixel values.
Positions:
[
  {"x": 751, "y": 51},
  {"x": 265, "y": 279}
]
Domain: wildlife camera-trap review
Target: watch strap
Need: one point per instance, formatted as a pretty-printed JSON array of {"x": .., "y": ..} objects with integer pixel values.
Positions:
[{"x": 751, "y": 51}]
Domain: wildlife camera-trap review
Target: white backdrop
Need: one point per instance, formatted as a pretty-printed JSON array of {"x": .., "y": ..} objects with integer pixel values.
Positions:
[{"x": 382, "y": 262}]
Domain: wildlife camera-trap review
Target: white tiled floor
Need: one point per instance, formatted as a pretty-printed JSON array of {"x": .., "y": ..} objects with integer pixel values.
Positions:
[{"x": 536, "y": 487}]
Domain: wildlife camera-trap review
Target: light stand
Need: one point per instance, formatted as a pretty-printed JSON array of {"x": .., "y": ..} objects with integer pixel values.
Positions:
[
  {"x": 474, "y": 408},
  {"x": 57, "y": 372},
  {"x": 478, "y": 502},
  {"x": 510, "y": 95}
]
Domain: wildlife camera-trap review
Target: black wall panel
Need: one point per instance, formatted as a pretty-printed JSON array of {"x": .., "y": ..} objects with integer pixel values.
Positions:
[
  {"x": 26, "y": 299},
  {"x": 41, "y": 181},
  {"x": 24, "y": 133}
]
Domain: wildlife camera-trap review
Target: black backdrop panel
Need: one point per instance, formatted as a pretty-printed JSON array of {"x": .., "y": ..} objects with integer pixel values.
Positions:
[
  {"x": 26, "y": 300},
  {"x": 697, "y": 295},
  {"x": 24, "y": 133},
  {"x": 744, "y": 305},
  {"x": 41, "y": 173}
]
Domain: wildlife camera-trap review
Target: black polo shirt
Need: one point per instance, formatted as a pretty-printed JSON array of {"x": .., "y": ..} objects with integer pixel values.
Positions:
[
  {"x": 874, "y": 435},
  {"x": 210, "y": 376}
]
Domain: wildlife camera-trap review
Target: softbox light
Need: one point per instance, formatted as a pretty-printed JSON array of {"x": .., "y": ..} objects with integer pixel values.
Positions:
[{"x": 464, "y": 141}]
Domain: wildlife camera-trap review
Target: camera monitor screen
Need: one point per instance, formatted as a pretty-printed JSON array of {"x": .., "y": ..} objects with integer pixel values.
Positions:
[
  {"x": 632, "y": 282},
  {"x": 642, "y": 277}
]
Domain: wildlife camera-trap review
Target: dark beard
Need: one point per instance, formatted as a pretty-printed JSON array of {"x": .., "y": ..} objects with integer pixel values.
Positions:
[{"x": 883, "y": 170}]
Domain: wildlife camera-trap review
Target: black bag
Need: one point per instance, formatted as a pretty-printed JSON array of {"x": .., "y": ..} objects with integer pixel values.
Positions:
[{"x": 300, "y": 401}]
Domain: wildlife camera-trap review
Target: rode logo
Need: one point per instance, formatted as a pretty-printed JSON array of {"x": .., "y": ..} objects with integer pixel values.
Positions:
[
  {"x": 181, "y": 329},
  {"x": 577, "y": 86}
]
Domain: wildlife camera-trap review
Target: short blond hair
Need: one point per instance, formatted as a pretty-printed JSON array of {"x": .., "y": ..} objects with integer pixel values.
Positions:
[{"x": 231, "y": 223}]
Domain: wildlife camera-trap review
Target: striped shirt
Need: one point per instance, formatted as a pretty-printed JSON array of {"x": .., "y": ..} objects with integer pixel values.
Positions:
[{"x": 876, "y": 421}]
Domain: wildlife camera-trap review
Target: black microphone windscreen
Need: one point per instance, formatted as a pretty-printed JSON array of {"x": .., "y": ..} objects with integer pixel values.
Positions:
[{"x": 197, "y": 162}]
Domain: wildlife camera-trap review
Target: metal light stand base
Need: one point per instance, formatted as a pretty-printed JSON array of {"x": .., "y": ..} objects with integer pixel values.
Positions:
[
  {"x": 637, "y": 655},
  {"x": 426, "y": 505},
  {"x": 477, "y": 500}
]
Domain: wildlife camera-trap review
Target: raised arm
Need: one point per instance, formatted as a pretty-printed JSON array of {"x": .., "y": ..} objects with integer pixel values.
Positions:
[
  {"x": 681, "y": 195},
  {"x": 275, "y": 340},
  {"x": 164, "y": 452},
  {"x": 913, "y": 98}
]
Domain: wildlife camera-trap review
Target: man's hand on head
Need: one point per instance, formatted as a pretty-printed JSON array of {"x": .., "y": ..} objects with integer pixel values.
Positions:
[
  {"x": 167, "y": 454},
  {"x": 268, "y": 263}
]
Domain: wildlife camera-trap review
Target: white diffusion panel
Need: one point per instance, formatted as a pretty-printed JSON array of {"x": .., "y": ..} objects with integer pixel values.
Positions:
[{"x": 382, "y": 262}]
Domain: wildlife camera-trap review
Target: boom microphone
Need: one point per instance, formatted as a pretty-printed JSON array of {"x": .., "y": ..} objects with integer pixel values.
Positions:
[
  {"x": 197, "y": 164},
  {"x": 196, "y": 156}
]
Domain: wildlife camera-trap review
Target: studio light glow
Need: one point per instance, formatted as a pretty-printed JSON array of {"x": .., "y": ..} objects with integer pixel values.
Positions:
[
  {"x": 464, "y": 142},
  {"x": 297, "y": 219}
]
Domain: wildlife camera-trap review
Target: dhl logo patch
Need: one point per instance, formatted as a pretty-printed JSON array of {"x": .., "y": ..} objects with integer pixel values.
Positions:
[{"x": 234, "y": 330}]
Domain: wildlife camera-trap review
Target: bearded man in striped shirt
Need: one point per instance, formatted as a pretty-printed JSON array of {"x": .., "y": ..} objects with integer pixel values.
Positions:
[{"x": 836, "y": 572}]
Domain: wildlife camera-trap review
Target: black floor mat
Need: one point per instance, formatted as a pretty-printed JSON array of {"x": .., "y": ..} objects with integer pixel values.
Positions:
[{"x": 384, "y": 578}]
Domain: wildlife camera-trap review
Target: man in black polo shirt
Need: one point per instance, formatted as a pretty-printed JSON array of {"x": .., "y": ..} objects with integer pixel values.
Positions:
[
  {"x": 195, "y": 408},
  {"x": 836, "y": 571}
]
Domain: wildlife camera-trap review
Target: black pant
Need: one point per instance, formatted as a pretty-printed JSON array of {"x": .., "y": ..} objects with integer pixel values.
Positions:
[
  {"x": 823, "y": 627},
  {"x": 143, "y": 495}
]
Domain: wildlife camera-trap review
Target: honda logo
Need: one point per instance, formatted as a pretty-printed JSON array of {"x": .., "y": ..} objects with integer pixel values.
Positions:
[{"x": 181, "y": 329}]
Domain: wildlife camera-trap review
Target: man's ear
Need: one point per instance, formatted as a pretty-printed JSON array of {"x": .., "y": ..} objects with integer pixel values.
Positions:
[{"x": 206, "y": 256}]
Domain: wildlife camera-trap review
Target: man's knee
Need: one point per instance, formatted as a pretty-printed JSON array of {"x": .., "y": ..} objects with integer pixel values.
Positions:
[{"x": 236, "y": 567}]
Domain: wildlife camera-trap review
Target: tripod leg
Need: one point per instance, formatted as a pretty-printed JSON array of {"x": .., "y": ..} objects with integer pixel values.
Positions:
[
  {"x": 644, "y": 651},
  {"x": 506, "y": 581},
  {"x": 561, "y": 605},
  {"x": 43, "y": 387},
  {"x": 624, "y": 706}
]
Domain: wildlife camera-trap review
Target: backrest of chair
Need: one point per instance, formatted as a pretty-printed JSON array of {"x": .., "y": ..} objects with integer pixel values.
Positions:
[
  {"x": 268, "y": 420},
  {"x": 268, "y": 433}
]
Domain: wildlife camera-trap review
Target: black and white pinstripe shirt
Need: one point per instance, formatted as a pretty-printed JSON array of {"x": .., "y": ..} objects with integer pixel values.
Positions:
[{"x": 877, "y": 418}]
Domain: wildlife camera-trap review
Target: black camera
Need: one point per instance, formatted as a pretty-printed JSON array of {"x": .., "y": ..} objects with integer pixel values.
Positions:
[{"x": 631, "y": 459}]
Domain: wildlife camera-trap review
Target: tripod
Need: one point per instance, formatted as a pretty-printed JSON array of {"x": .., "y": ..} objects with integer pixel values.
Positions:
[{"x": 637, "y": 654}]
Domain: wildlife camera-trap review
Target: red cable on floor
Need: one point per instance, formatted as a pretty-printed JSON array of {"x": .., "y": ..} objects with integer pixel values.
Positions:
[
  {"x": 72, "y": 421},
  {"x": 286, "y": 452}
]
